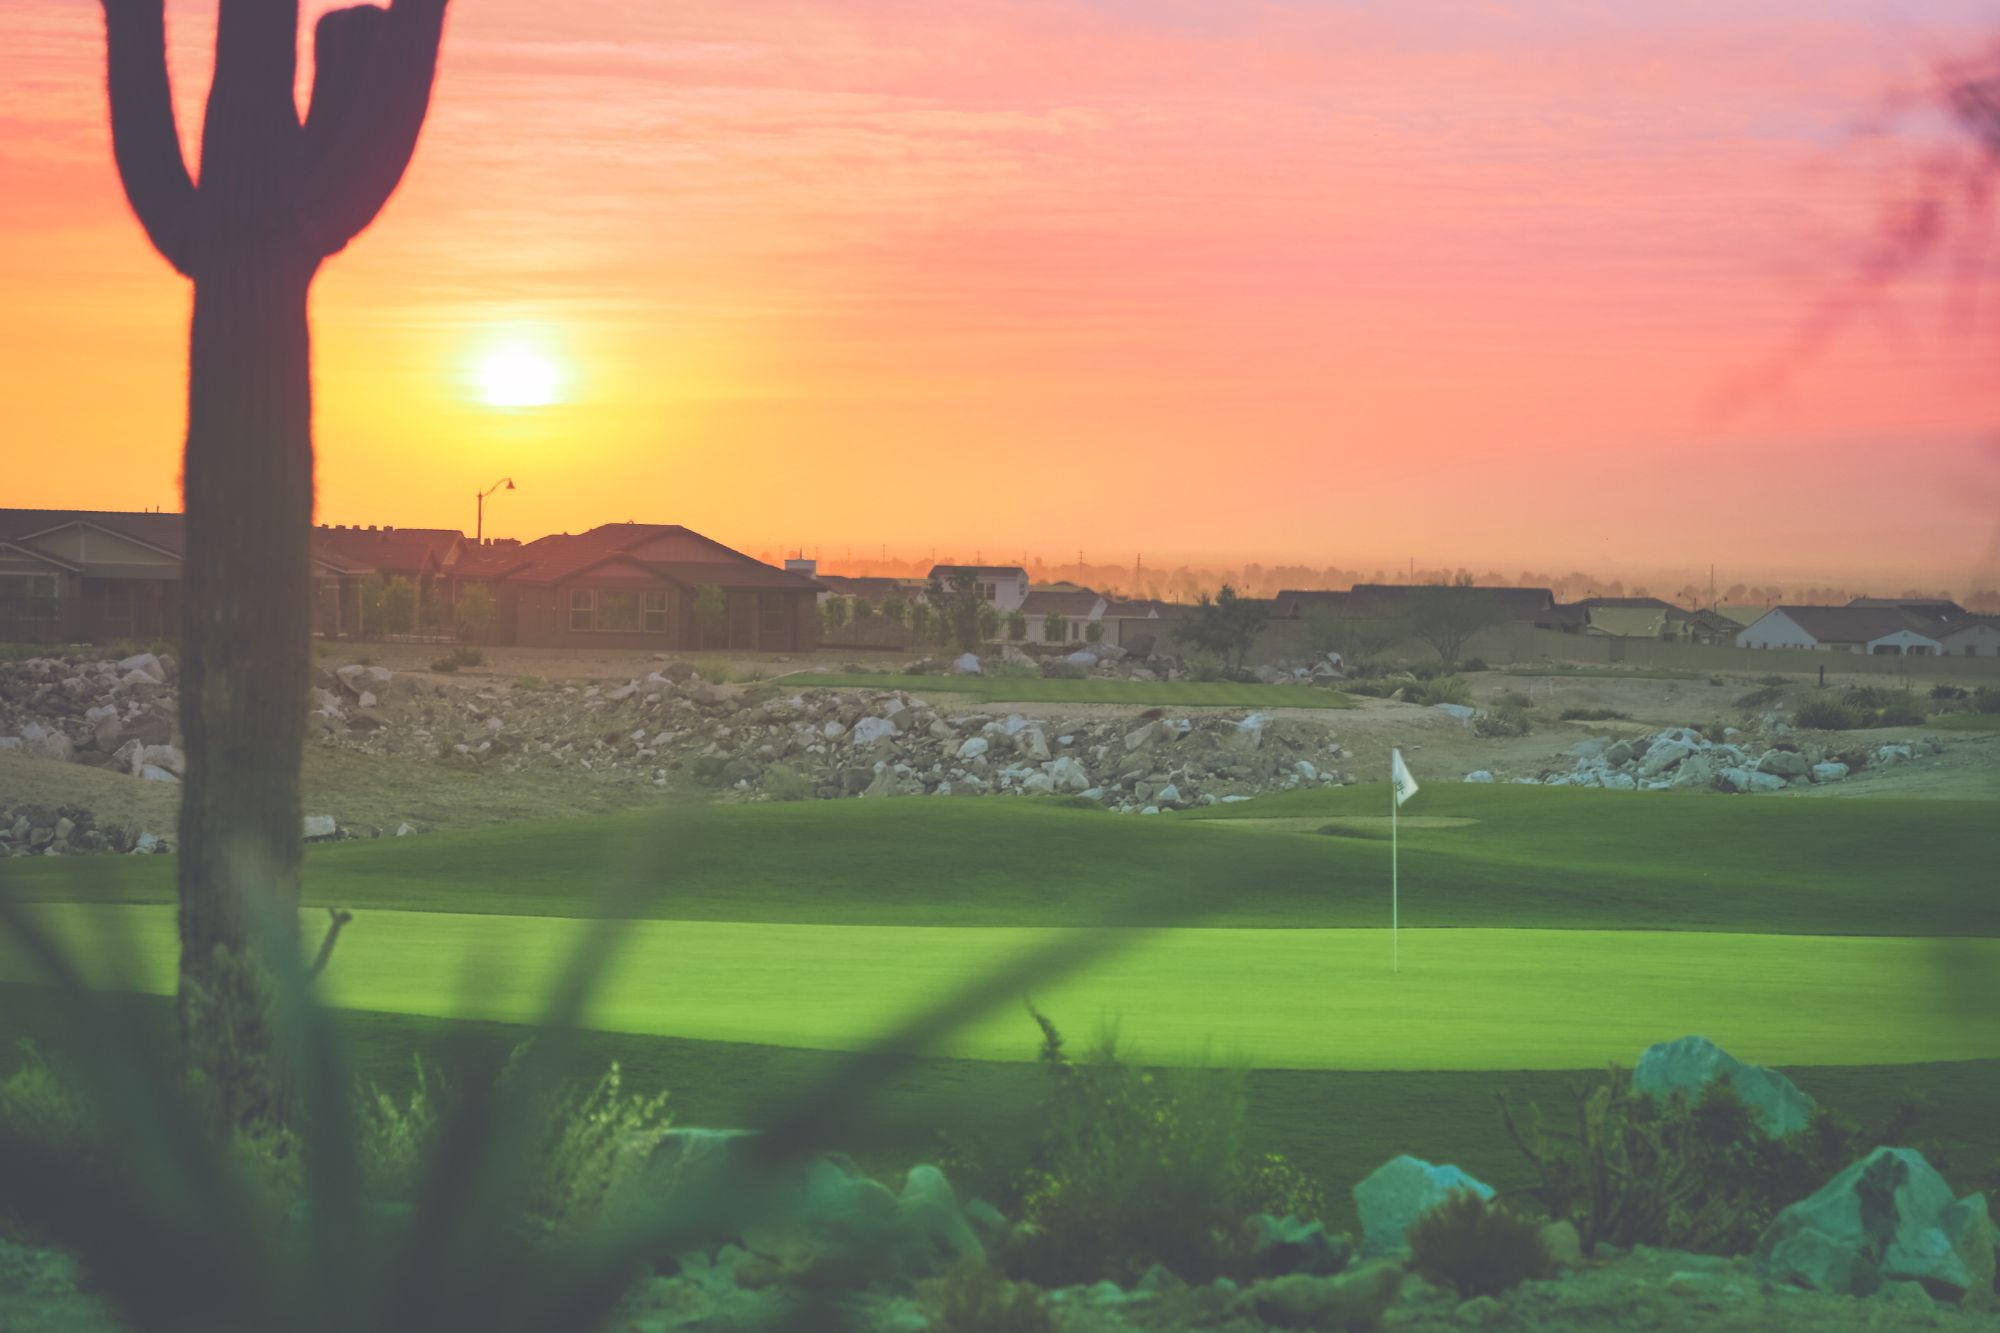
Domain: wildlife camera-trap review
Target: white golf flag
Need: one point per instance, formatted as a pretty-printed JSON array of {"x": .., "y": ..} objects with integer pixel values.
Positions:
[{"x": 1399, "y": 777}]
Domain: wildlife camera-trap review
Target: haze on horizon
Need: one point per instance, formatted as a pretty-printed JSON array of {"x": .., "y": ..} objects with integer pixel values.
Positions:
[{"x": 1284, "y": 281}]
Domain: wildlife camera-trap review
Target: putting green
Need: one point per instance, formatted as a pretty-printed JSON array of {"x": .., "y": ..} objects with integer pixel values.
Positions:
[{"x": 1298, "y": 999}]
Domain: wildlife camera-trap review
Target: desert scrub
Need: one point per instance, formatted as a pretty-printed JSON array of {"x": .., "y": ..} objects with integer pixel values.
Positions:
[
  {"x": 1594, "y": 715},
  {"x": 1477, "y": 1247},
  {"x": 782, "y": 782},
  {"x": 974, "y": 1298},
  {"x": 1506, "y": 720},
  {"x": 1137, "y": 1167},
  {"x": 716, "y": 673},
  {"x": 1442, "y": 690},
  {"x": 461, "y": 656},
  {"x": 1821, "y": 713}
]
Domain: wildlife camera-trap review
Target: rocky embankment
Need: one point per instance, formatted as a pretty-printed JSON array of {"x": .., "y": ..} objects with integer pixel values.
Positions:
[{"x": 1683, "y": 759}]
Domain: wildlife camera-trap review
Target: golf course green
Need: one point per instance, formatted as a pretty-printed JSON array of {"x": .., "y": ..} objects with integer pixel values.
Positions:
[{"x": 1298, "y": 999}]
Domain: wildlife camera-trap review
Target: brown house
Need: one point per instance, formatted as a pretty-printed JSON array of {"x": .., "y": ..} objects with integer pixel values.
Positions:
[
  {"x": 76, "y": 575},
  {"x": 643, "y": 585},
  {"x": 345, "y": 557}
]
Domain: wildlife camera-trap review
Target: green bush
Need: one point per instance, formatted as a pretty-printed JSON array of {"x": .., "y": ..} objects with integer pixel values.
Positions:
[
  {"x": 782, "y": 782},
  {"x": 1057, "y": 669},
  {"x": 1594, "y": 715},
  {"x": 1477, "y": 1247},
  {"x": 1822, "y": 712},
  {"x": 1986, "y": 699},
  {"x": 1902, "y": 714},
  {"x": 461, "y": 656},
  {"x": 716, "y": 673},
  {"x": 1440, "y": 690},
  {"x": 1506, "y": 720},
  {"x": 1943, "y": 692},
  {"x": 1513, "y": 699},
  {"x": 1474, "y": 664},
  {"x": 1137, "y": 1167}
]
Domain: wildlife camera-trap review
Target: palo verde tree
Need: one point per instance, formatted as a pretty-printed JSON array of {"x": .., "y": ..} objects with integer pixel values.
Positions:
[{"x": 275, "y": 197}]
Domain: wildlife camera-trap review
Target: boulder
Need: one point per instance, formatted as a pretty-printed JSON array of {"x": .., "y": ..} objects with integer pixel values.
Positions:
[
  {"x": 1067, "y": 774},
  {"x": 973, "y": 747},
  {"x": 1033, "y": 745},
  {"x": 1784, "y": 763},
  {"x": 967, "y": 664},
  {"x": 1400, "y": 1191},
  {"x": 836, "y": 1217},
  {"x": 1692, "y": 1063},
  {"x": 1082, "y": 657},
  {"x": 1662, "y": 755},
  {"x": 1352, "y": 1300},
  {"x": 360, "y": 679},
  {"x": 1479, "y": 775},
  {"x": 1888, "y": 1217},
  {"x": 1749, "y": 779},
  {"x": 871, "y": 729},
  {"x": 48, "y": 744},
  {"x": 1463, "y": 712},
  {"x": 1281, "y": 1245},
  {"x": 315, "y": 827},
  {"x": 154, "y": 773},
  {"x": 1694, "y": 772},
  {"x": 169, "y": 757},
  {"x": 1829, "y": 772}
]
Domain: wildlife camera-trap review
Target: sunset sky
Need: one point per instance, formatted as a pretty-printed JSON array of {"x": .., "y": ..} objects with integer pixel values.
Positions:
[{"x": 1287, "y": 280}]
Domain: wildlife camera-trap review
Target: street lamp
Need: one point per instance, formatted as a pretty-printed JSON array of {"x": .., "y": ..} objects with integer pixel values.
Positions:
[{"x": 479, "y": 528}]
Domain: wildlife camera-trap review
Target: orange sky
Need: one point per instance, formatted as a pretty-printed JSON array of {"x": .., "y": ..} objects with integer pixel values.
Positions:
[{"x": 1207, "y": 279}]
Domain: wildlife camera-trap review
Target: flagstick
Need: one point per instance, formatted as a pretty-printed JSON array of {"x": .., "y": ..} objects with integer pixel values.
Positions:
[{"x": 1395, "y": 950}]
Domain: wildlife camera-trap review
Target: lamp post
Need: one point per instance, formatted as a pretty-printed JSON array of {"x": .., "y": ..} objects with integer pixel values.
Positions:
[{"x": 479, "y": 524}]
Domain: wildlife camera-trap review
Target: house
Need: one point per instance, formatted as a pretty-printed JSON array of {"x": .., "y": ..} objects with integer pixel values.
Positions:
[
  {"x": 1387, "y": 601},
  {"x": 1941, "y": 609},
  {"x": 870, "y": 589},
  {"x": 1298, "y": 603},
  {"x": 1078, "y": 607},
  {"x": 651, "y": 585},
  {"x": 1627, "y": 622},
  {"x": 75, "y": 575},
  {"x": 1882, "y": 630},
  {"x": 1006, "y": 586},
  {"x": 1974, "y": 636},
  {"x": 1710, "y": 626},
  {"x": 348, "y": 556}
]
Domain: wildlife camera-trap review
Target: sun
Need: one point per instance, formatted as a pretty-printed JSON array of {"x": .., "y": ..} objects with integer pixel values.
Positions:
[{"x": 518, "y": 376}]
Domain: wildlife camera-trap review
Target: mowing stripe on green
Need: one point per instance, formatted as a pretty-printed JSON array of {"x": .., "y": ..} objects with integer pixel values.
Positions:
[{"x": 1302, "y": 999}]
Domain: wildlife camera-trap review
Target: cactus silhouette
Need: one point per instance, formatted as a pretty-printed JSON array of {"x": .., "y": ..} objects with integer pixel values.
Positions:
[{"x": 275, "y": 197}]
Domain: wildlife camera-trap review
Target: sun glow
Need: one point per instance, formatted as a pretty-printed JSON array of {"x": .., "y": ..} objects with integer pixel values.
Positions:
[{"x": 518, "y": 376}]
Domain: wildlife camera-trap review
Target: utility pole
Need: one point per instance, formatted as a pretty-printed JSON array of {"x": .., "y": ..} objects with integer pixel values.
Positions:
[{"x": 479, "y": 519}]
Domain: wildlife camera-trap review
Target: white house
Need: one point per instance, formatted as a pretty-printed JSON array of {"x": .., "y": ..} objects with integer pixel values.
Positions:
[
  {"x": 1882, "y": 630},
  {"x": 1006, "y": 586},
  {"x": 1977, "y": 636},
  {"x": 1078, "y": 607}
]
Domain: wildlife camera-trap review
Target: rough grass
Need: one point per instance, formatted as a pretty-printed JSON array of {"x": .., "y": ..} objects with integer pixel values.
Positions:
[
  {"x": 1337, "y": 1125},
  {"x": 1965, "y": 722},
  {"x": 1529, "y": 857},
  {"x": 1038, "y": 689}
]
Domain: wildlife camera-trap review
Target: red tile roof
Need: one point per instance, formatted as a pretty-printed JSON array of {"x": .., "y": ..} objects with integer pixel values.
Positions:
[
  {"x": 391, "y": 550},
  {"x": 162, "y": 531},
  {"x": 563, "y": 556}
]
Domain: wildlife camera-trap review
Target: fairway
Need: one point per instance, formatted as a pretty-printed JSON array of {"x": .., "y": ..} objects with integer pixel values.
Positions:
[
  {"x": 1043, "y": 690},
  {"x": 1304, "y": 999}
]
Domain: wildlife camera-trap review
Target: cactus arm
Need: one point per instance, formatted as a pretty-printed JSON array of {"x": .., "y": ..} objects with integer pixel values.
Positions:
[
  {"x": 366, "y": 125},
  {"x": 144, "y": 139}
]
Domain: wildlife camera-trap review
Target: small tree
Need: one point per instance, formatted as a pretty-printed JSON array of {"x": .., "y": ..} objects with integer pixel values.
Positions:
[
  {"x": 474, "y": 612},
  {"x": 711, "y": 611},
  {"x": 989, "y": 622},
  {"x": 1224, "y": 625},
  {"x": 833, "y": 614},
  {"x": 1094, "y": 632},
  {"x": 923, "y": 622},
  {"x": 1017, "y": 625},
  {"x": 896, "y": 609},
  {"x": 957, "y": 602},
  {"x": 1055, "y": 627},
  {"x": 371, "y": 601},
  {"x": 860, "y": 610},
  {"x": 399, "y": 606},
  {"x": 1445, "y": 615}
]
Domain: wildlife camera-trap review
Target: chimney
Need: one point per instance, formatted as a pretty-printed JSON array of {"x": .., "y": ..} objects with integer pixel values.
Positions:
[
  {"x": 801, "y": 565},
  {"x": 388, "y": 528}
]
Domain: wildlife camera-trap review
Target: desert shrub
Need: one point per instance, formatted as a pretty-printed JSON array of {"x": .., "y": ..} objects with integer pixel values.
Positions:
[
  {"x": 1136, "y": 1167},
  {"x": 1900, "y": 714},
  {"x": 591, "y": 1144},
  {"x": 1474, "y": 664},
  {"x": 1594, "y": 715},
  {"x": 974, "y": 1298},
  {"x": 1440, "y": 690},
  {"x": 461, "y": 656},
  {"x": 1712, "y": 732},
  {"x": 1477, "y": 1247},
  {"x": 1944, "y": 692},
  {"x": 1772, "y": 680},
  {"x": 716, "y": 673},
  {"x": 1513, "y": 699},
  {"x": 1698, "y": 1174},
  {"x": 1716, "y": 681},
  {"x": 1057, "y": 669},
  {"x": 1506, "y": 720},
  {"x": 392, "y": 1138},
  {"x": 529, "y": 683},
  {"x": 782, "y": 782},
  {"x": 1822, "y": 712},
  {"x": 1761, "y": 698},
  {"x": 43, "y": 1109},
  {"x": 1986, "y": 699}
]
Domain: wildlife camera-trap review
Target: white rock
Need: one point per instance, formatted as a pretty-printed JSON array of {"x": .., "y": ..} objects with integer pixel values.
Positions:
[
  {"x": 1828, "y": 772},
  {"x": 1479, "y": 775},
  {"x": 1399, "y": 1192},
  {"x": 973, "y": 747},
  {"x": 871, "y": 729},
  {"x": 154, "y": 773},
  {"x": 144, "y": 664},
  {"x": 1066, "y": 774},
  {"x": 967, "y": 664},
  {"x": 318, "y": 826}
]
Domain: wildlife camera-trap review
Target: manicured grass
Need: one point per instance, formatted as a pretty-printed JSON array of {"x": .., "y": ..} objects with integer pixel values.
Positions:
[
  {"x": 1531, "y": 857},
  {"x": 1338, "y": 1125},
  {"x": 1036, "y": 689},
  {"x": 1966, "y": 722},
  {"x": 1296, "y": 999}
]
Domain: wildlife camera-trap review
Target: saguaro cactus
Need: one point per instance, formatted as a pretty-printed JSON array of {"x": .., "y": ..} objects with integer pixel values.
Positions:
[{"x": 275, "y": 197}]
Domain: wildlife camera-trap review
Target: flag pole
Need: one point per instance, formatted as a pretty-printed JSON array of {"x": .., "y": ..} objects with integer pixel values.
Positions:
[{"x": 1395, "y": 948}]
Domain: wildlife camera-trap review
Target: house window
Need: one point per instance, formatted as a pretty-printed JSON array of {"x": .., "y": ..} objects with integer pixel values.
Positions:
[
  {"x": 617, "y": 612},
  {"x": 582, "y": 609},
  {"x": 989, "y": 592},
  {"x": 656, "y": 611}
]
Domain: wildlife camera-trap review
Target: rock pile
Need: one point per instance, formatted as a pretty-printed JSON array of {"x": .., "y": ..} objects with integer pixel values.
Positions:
[{"x": 1681, "y": 758}]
